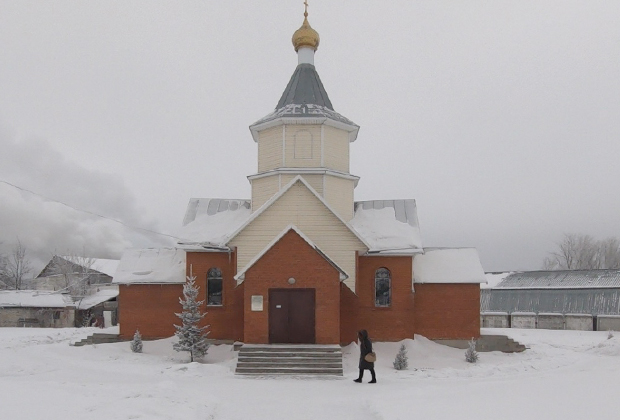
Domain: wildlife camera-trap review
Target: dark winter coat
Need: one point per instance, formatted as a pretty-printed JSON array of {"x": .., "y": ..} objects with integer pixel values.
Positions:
[{"x": 365, "y": 348}]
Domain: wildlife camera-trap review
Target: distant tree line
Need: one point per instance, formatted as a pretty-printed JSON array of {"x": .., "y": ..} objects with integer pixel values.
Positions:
[
  {"x": 583, "y": 252},
  {"x": 15, "y": 266}
]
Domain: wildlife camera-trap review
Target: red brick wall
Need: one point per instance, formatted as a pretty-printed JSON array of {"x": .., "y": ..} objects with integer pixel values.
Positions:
[
  {"x": 150, "y": 308},
  {"x": 293, "y": 257},
  {"x": 393, "y": 323},
  {"x": 448, "y": 310},
  {"x": 226, "y": 321}
]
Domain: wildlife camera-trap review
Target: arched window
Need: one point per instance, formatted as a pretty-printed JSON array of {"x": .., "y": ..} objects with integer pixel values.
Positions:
[
  {"x": 383, "y": 287},
  {"x": 214, "y": 287}
]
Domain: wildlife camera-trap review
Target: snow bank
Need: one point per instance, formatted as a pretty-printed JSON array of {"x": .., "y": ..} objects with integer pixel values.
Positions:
[{"x": 570, "y": 375}]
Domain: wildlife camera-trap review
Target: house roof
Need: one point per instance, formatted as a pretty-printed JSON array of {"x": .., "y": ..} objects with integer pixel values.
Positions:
[
  {"x": 448, "y": 265},
  {"x": 93, "y": 265},
  {"x": 34, "y": 299},
  {"x": 211, "y": 206},
  {"x": 209, "y": 221},
  {"x": 562, "y": 279},
  {"x": 151, "y": 265},
  {"x": 388, "y": 226},
  {"x": 93, "y": 300},
  {"x": 241, "y": 275}
]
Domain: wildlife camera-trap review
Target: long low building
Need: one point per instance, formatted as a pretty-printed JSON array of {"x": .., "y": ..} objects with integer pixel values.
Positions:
[
  {"x": 33, "y": 308},
  {"x": 563, "y": 299}
]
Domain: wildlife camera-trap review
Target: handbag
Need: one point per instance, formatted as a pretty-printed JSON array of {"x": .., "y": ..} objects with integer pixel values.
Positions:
[{"x": 371, "y": 357}]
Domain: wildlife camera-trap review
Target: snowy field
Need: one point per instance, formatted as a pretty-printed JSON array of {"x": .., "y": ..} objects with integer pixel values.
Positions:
[{"x": 563, "y": 375}]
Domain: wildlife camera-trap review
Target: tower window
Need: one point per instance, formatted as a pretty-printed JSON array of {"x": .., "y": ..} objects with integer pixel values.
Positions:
[
  {"x": 214, "y": 287},
  {"x": 383, "y": 287}
]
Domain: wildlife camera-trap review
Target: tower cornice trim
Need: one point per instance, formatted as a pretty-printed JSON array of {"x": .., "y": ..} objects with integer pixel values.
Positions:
[
  {"x": 305, "y": 171},
  {"x": 352, "y": 129}
]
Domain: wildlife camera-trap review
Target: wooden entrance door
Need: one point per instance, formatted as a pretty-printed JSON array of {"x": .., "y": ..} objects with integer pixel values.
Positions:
[{"x": 291, "y": 316}]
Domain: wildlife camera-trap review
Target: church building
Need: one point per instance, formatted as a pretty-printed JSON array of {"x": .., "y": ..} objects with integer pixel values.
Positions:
[{"x": 301, "y": 261}]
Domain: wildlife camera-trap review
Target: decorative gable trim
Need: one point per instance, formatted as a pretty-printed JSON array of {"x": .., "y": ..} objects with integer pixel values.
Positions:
[
  {"x": 241, "y": 275},
  {"x": 277, "y": 196}
]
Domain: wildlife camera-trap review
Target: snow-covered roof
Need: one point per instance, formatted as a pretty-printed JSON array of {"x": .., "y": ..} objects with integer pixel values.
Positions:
[
  {"x": 493, "y": 279},
  {"x": 209, "y": 221},
  {"x": 448, "y": 265},
  {"x": 34, "y": 299},
  {"x": 101, "y": 296},
  {"x": 241, "y": 275},
  {"x": 562, "y": 279},
  {"x": 105, "y": 266},
  {"x": 211, "y": 206},
  {"x": 388, "y": 226},
  {"x": 152, "y": 265},
  {"x": 305, "y": 111}
]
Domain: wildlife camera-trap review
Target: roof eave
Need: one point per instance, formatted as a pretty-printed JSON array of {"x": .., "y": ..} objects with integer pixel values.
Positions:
[{"x": 352, "y": 129}]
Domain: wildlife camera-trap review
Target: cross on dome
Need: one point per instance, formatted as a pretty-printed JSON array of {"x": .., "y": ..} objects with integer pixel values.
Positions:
[{"x": 306, "y": 36}]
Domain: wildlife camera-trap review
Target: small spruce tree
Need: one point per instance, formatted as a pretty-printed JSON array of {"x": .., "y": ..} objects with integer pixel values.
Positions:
[
  {"x": 471, "y": 355},
  {"x": 402, "y": 361},
  {"x": 192, "y": 337},
  {"x": 136, "y": 343}
]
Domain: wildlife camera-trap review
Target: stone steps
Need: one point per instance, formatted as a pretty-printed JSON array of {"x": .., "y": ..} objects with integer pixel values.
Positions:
[
  {"x": 295, "y": 360},
  {"x": 98, "y": 338}
]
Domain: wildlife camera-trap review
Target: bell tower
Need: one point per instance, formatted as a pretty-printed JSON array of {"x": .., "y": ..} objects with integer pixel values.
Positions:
[{"x": 305, "y": 136}]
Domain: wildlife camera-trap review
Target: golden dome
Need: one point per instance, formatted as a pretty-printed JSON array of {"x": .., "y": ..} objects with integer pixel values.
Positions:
[{"x": 306, "y": 36}]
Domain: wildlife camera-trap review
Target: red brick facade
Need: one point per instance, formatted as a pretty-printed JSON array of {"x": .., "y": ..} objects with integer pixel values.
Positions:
[
  {"x": 392, "y": 323},
  {"x": 226, "y": 321},
  {"x": 150, "y": 308},
  {"x": 448, "y": 310},
  {"x": 293, "y": 257},
  {"x": 433, "y": 310}
]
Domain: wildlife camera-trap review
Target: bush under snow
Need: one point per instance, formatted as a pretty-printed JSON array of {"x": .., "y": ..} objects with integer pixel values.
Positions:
[
  {"x": 471, "y": 355},
  {"x": 401, "y": 362}
]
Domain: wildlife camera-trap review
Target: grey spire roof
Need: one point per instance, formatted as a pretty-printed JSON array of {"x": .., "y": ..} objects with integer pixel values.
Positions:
[
  {"x": 305, "y": 97},
  {"x": 305, "y": 87}
]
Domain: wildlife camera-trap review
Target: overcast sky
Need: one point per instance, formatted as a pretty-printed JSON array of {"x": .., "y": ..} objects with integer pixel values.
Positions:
[{"x": 501, "y": 118}]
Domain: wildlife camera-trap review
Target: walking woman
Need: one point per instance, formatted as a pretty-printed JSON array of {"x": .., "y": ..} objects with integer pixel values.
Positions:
[{"x": 365, "y": 348}]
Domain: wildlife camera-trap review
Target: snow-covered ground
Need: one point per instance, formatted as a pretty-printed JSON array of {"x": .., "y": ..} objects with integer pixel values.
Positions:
[{"x": 563, "y": 375}]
